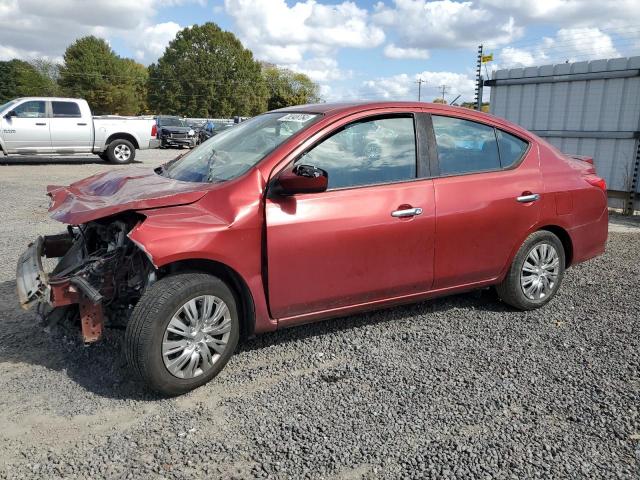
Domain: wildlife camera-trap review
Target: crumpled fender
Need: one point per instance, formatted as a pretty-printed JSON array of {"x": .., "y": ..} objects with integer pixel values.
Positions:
[{"x": 221, "y": 227}]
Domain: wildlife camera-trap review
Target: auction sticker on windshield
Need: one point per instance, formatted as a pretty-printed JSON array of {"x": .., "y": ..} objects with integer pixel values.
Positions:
[{"x": 296, "y": 117}]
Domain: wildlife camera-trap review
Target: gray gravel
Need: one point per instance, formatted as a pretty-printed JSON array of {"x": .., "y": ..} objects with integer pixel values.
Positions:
[{"x": 460, "y": 387}]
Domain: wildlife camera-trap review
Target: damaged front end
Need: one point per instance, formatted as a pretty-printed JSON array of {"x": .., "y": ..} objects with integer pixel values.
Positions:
[{"x": 99, "y": 277}]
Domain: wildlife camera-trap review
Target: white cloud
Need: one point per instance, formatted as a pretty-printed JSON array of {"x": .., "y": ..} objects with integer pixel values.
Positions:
[
  {"x": 155, "y": 38},
  {"x": 320, "y": 69},
  {"x": 569, "y": 44},
  {"x": 570, "y": 13},
  {"x": 426, "y": 24},
  {"x": 304, "y": 36},
  {"x": 42, "y": 28},
  {"x": 404, "y": 86},
  {"x": 392, "y": 51}
]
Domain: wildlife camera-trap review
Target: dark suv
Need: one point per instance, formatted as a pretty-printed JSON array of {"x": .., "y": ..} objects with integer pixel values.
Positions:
[{"x": 173, "y": 131}]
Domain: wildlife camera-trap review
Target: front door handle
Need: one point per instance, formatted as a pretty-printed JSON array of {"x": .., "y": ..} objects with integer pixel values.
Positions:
[
  {"x": 82, "y": 124},
  {"x": 41, "y": 124},
  {"x": 529, "y": 197},
  {"x": 407, "y": 212}
]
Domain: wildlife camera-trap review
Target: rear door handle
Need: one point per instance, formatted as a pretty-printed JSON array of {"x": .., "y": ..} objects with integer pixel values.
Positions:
[
  {"x": 41, "y": 124},
  {"x": 82, "y": 124},
  {"x": 531, "y": 197},
  {"x": 407, "y": 212}
]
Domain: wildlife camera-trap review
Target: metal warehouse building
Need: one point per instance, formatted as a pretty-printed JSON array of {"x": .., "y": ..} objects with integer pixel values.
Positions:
[{"x": 584, "y": 108}]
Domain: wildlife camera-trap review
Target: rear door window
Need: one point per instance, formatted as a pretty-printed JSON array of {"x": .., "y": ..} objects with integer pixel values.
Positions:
[
  {"x": 465, "y": 146},
  {"x": 65, "y": 110}
]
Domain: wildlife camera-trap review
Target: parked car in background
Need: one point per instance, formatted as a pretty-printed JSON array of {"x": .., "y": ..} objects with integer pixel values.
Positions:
[
  {"x": 211, "y": 128},
  {"x": 175, "y": 132},
  {"x": 292, "y": 217},
  {"x": 54, "y": 125}
]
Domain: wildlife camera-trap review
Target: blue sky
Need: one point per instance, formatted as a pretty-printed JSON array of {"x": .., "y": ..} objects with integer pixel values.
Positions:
[{"x": 354, "y": 50}]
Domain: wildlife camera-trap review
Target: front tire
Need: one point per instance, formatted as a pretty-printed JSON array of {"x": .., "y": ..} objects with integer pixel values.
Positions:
[
  {"x": 182, "y": 332},
  {"x": 536, "y": 272},
  {"x": 121, "y": 151}
]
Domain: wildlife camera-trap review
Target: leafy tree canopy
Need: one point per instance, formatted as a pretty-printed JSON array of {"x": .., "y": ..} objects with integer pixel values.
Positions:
[
  {"x": 22, "y": 79},
  {"x": 287, "y": 88},
  {"x": 111, "y": 85},
  {"x": 206, "y": 72}
]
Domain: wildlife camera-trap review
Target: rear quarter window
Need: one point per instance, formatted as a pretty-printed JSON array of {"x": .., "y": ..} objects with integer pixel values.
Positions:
[{"x": 511, "y": 148}]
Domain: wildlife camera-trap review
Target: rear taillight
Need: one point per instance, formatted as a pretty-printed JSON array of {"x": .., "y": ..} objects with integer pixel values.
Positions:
[
  {"x": 596, "y": 182},
  {"x": 154, "y": 130}
]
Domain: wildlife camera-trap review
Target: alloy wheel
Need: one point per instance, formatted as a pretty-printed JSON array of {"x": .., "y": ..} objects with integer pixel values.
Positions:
[
  {"x": 122, "y": 152},
  {"x": 196, "y": 336}
]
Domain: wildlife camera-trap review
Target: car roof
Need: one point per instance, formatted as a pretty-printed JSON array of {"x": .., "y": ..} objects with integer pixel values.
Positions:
[
  {"x": 344, "y": 108},
  {"x": 336, "y": 107},
  {"x": 55, "y": 99}
]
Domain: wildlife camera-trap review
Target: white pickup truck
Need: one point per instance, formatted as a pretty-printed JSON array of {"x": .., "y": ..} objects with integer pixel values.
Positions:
[{"x": 51, "y": 125}]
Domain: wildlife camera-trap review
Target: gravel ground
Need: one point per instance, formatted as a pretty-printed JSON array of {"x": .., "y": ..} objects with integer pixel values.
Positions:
[{"x": 459, "y": 387}]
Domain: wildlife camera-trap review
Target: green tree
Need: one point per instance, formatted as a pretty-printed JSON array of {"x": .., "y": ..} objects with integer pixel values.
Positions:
[
  {"x": 21, "y": 79},
  {"x": 111, "y": 85},
  {"x": 287, "y": 88},
  {"x": 206, "y": 72}
]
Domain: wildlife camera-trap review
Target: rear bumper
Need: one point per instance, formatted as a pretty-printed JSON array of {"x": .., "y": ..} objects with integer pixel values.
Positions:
[
  {"x": 590, "y": 240},
  {"x": 154, "y": 143}
]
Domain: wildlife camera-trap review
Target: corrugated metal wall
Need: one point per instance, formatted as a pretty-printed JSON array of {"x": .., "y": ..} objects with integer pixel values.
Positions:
[{"x": 585, "y": 108}]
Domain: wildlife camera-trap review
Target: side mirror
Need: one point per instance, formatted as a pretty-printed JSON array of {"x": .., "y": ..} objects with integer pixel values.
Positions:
[
  {"x": 301, "y": 179},
  {"x": 11, "y": 113}
]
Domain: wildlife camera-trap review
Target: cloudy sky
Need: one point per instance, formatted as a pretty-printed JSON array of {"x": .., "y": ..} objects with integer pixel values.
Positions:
[{"x": 354, "y": 49}]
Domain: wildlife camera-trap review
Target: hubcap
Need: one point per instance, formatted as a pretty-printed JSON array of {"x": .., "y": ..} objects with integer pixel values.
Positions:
[
  {"x": 196, "y": 336},
  {"x": 122, "y": 152},
  {"x": 540, "y": 271}
]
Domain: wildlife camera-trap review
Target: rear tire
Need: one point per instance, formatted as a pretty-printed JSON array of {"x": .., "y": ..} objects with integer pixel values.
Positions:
[
  {"x": 536, "y": 272},
  {"x": 121, "y": 151},
  {"x": 161, "y": 336}
]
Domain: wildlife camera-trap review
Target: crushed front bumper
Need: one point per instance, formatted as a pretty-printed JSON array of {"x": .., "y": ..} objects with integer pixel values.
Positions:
[
  {"x": 32, "y": 281},
  {"x": 34, "y": 285}
]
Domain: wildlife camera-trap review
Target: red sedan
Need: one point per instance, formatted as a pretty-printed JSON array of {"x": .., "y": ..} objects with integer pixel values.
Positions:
[{"x": 307, "y": 213}]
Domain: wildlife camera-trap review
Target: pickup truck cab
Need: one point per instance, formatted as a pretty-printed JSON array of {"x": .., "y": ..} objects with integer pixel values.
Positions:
[{"x": 53, "y": 125}]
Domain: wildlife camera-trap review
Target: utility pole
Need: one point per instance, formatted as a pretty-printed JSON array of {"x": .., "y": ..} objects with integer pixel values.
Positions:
[
  {"x": 479, "y": 80},
  {"x": 420, "y": 81},
  {"x": 444, "y": 90}
]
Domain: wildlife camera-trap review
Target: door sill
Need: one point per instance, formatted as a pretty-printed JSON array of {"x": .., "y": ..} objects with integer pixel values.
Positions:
[{"x": 379, "y": 304}]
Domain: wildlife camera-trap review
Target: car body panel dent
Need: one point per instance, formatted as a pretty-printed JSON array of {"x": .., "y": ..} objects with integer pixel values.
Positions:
[{"x": 117, "y": 191}]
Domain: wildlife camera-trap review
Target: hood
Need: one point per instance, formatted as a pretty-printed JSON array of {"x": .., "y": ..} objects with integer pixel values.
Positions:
[{"x": 118, "y": 191}]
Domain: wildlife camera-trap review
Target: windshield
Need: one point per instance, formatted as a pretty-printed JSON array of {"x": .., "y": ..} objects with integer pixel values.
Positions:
[
  {"x": 234, "y": 151},
  {"x": 170, "y": 122},
  {"x": 6, "y": 105}
]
